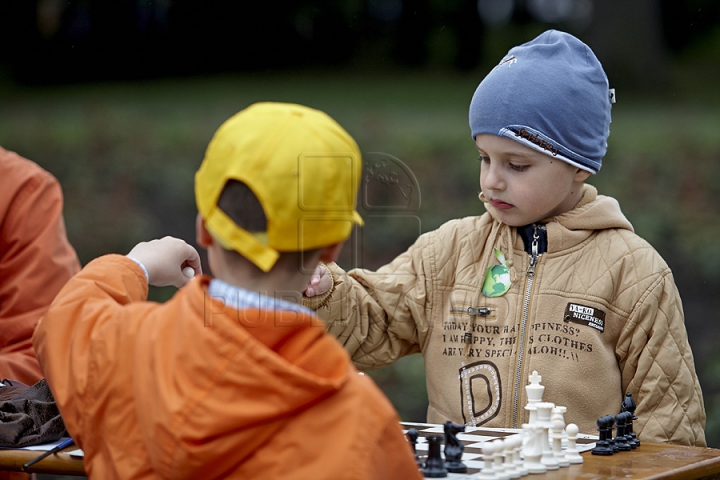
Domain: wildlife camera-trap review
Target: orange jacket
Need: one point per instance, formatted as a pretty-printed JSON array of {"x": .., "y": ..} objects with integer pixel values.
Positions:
[
  {"x": 35, "y": 259},
  {"x": 193, "y": 389}
]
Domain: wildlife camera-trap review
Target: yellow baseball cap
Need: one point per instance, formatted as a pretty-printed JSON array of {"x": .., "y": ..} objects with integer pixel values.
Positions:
[{"x": 303, "y": 167}]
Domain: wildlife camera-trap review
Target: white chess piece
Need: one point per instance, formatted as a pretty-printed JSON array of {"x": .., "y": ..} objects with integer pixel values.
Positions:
[
  {"x": 498, "y": 456},
  {"x": 517, "y": 454},
  {"x": 514, "y": 444},
  {"x": 487, "y": 472},
  {"x": 531, "y": 408},
  {"x": 548, "y": 459},
  {"x": 188, "y": 272},
  {"x": 556, "y": 434},
  {"x": 534, "y": 392},
  {"x": 532, "y": 448},
  {"x": 558, "y": 413},
  {"x": 571, "y": 452},
  {"x": 509, "y": 463}
]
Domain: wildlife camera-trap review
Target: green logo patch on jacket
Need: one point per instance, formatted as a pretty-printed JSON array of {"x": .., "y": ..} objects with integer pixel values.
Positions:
[{"x": 497, "y": 278}]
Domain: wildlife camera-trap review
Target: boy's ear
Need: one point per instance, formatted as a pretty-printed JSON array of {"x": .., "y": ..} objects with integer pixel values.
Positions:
[
  {"x": 330, "y": 253},
  {"x": 202, "y": 236},
  {"x": 581, "y": 175}
]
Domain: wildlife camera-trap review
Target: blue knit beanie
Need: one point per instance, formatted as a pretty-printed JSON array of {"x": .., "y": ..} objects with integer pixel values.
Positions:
[{"x": 550, "y": 94}]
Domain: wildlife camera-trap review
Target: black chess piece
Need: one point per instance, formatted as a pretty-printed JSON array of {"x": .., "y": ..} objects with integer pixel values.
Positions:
[
  {"x": 454, "y": 448},
  {"x": 434, "y": 465},
  {"x": 628, "y": 430},
  {"x": 412, "y": 435},
  {"x": 603, "y": 446},
  {"x": 611, "y": 426},
  {"x": 628, "y": 405},
  {"x": 620, "y": 435}
]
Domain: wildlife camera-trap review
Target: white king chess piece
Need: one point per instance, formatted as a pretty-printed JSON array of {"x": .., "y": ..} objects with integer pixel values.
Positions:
[{"x": 534, "y": 392}]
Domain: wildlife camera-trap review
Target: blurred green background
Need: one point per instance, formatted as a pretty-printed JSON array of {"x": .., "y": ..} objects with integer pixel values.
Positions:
[{"x": 121, "y": 115}]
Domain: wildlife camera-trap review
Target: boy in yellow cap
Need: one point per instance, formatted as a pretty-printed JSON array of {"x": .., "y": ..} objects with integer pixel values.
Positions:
[{"x": 232, "y": 377}]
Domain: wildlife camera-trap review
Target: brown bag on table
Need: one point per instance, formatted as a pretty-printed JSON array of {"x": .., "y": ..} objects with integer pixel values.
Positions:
[{"x": 30, "y": 416}]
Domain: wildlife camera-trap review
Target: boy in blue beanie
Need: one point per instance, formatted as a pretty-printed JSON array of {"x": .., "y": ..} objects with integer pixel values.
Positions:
[{"x": 550, "y": 279}]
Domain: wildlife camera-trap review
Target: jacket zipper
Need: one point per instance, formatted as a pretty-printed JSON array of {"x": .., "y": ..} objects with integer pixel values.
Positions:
[{"x": 526, "y": 305}]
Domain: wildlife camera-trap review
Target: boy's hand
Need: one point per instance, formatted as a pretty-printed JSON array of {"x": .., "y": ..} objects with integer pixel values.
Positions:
[
  {"x": 320, "y": 282},
  {"x": 165, "y": 261}
]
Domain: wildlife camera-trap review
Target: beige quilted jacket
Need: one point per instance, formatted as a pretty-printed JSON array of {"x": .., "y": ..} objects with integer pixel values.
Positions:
[{"x": 599, "y": 316}]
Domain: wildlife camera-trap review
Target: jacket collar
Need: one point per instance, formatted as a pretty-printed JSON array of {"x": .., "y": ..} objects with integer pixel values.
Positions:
[{"x": 592, "y": 213}]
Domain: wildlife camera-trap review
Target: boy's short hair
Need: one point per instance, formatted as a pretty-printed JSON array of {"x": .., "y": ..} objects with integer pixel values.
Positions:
[
  {"x": 241, "y": 205},
  {"x": 300, "y": 166},
  {"x": 550, "y": 94}
]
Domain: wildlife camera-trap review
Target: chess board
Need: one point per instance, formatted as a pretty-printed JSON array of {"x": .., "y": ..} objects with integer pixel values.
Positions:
[{"x": 473, "y": 438}]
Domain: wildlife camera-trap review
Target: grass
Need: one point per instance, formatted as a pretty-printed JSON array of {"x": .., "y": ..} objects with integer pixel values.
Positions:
[{"x": 126, "y": 153}]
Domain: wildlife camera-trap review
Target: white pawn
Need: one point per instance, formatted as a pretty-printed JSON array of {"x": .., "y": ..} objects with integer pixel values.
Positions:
[
  {"x": 532, "y": 448},
  {"x": 487, "y": 472},
  {"x": 517, "y": 453},
  {"x": 515, "y": 444},
  {"x": 558, "y": 413},
  {"x": 498, "y": 456},
  {"x": 509, "y": 463},
  {"x": 556, "y": 435},
  {"x": 571, "y": 453}
]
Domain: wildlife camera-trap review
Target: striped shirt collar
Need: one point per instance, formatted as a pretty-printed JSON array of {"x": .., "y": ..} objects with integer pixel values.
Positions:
[{"x": 241, "y": 299}]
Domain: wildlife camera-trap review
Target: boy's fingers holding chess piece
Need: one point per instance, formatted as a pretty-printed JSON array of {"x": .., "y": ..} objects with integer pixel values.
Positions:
[{"x": 167, "y": 261}]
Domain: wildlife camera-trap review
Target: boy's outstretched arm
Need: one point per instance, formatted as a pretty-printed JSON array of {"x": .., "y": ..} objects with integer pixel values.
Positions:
[
  {"x": 377, "y": 316},
  {"x": 658, "y": 368},
  {"x": 90, "y": 316}
]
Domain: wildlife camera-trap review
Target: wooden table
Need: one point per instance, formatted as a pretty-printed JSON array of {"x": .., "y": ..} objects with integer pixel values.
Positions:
[
  {"x": 649, "y": 461},
  {"x": 60, "y": 463}
]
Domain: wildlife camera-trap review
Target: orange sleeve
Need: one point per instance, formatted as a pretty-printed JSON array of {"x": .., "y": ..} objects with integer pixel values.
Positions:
[
  {"x": 36, "y": 260},
  {"x": 70, "y": 337}
]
